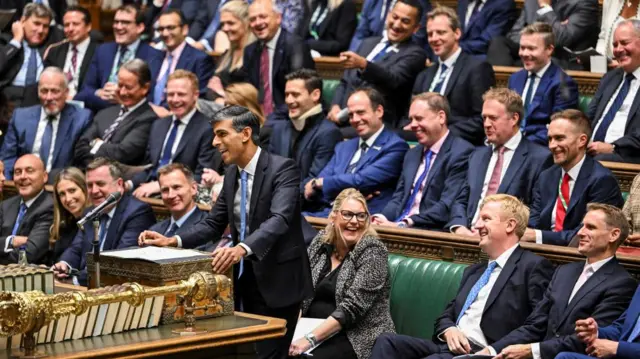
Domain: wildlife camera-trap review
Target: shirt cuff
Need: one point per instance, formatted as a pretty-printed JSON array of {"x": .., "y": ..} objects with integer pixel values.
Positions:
[
  {"x": 158, "y": 3},
  {"x": 538, "y": 236},
  {"x": 206, "y": 44},
  {"x": 7, "y": 244},
  {"x": 68, "y": 265},
  {"x": 129, "y": 184},
  {"x": 96, "y": 147},
  {"x": 544, "y": 10},
  {"x": 453, "y": 228},
  {"x": 535, "y": 351},
  {"x": 179, "y": 241},
  {"x": 409, "y": 222},
  {"x": 441, "y": 335},
  {"x": 492, "y": 351},
  {"x": 15, "y": 43},
  {"x": 246, "y": 248},
  {"x": 380, "y": 216}
]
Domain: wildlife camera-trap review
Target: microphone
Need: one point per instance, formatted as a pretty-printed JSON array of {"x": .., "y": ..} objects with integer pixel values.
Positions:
[{"x": 111, "y": 199}]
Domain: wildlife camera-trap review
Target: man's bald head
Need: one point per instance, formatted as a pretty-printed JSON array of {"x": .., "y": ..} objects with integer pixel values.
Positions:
[{"x": 30, "y": 176}]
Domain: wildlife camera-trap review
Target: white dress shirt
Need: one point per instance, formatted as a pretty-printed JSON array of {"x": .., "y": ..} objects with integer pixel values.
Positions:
[
  {"x": 450, "y": 62},
  {"x": 370, "y": 141},
  {"x": 9, "y": 239},
  {"x": 573, "y": 176},
  {"x": 472, "y": 5},
  {"x": 75, "y": 72},
  {"x": 37, "y": 143},
  {"x": 536, "y": 81},
  {"x": 184, "y": 122},
  {"x": 617, "y": 126}
]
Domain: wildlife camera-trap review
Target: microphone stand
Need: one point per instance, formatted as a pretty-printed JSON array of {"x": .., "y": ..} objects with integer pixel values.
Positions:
[{"x": 96, "y": 251}]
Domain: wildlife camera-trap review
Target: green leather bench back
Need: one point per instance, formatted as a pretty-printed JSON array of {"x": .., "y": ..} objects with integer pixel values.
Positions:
[
  {"x": 328, "y": 90},
  {"x": 583, "y": 103},
  {"x": 420, "y": 291}
]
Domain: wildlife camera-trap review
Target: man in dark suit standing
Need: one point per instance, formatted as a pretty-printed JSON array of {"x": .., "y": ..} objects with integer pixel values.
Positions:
[
  {"x": 599, "y": 287},
  {"x": 458, "y": 76},
  {"x": 277, "y": 52},
  {"x": 308, "y": 137},
  {"x": 74, "y": 55},
  {"x": 563, "y": 191},
  {"x": 494, "y": 298},
  {"x": 389, "y": 64},
  {"x": 25, "y": 219},
  {"x": 575, "y": 26},
  {"x": 483, "y": 20},
  {"x": 510, "y": 164},
  {"x": 184, "y": 137},
  {"x": 100, "y": 86},
  {"x": 544, "y": 86},
  {"x": 432, "y": 172},
  {"x": 121, "y": 133},
  {"x": 615, "y": 108},
  {"x": 120, "y": 224},
  {"x": 49, "y": 130},
  {"x": 260, "y": 202}
]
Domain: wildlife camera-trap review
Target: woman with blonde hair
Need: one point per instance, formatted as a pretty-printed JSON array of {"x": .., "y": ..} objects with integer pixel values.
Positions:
[{"x": 351, "y": 284}]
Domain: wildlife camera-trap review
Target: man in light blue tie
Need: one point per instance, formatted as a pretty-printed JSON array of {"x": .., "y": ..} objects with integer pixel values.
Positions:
[{"x": 494, "y": 297}]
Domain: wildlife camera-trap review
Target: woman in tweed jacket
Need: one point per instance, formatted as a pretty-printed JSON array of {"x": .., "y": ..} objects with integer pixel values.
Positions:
[{"x": 351, "y": 284}]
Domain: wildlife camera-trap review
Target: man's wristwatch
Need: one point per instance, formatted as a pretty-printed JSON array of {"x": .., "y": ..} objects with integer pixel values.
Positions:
[
  {"x": 402, "y": 224},
  {"x": 311, "y": 339}
]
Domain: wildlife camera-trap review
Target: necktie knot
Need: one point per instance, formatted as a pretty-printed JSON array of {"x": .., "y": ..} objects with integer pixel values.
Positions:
[
  {"x": 532, "y": 75},
  {"x": 23, "y": 207},
  {"x": 492, "y": 266},
  {"x": 123, "y": 50},
  {"x": 123, "y": 110},
  {"x": 443, "y": 67},
  {"x": 364, "y": 147},
  {"x": 74, "y": 48},
  {"x": 629, "y": 77}
]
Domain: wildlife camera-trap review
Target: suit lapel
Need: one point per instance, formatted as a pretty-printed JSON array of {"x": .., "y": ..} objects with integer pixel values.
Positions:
[
  {"x": 306, "y": 138},
  {"x": 476, "y": 184},
  {"x": 438, "y": 162},
  {"x": 595, "y": 280},
  {"x": 86, "y": 61},
  {"x": 278, "y": 55},
  {"x": 164, "y": 125},
  {"x": 189, "y": 134},
  {"x": 112, "y": 238},
  {"x": 541, "y": 91},
  {"x": 581, "y": 183},
  {"x": 566, "y": 287},
  {"x": 184, "y": 58},
  {"x": 632, "y": 111},
  {"x": 504, "y": 276},
  {"x": 234, "y": 176},
  {"x": 30, "y": 130},
  {"x": 463, "y": 5},
  {"x": 457, "y": 69},
  {"x": 411, "y": 167},
  {"x": 518, "y": 159},
  {"x": 261, "y": 168},
  {"x": 374, "y": 150},
  {"x": 30, "y": 210},
  {"x": 609, "y": 91},
  {"x": 351, "y": 147},
  {"x": 64, "y": 126}
]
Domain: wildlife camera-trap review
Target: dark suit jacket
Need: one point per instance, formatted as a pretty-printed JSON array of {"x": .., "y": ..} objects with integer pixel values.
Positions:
[
  {"x": 334, "y": 32},
  {"x": 195, "y": 217},
  {"x": 203, "y": 19},
  {"x": 67, "y": 234},
  {"x": 189, "y": 9},
  {"x": 57, "y": 57},
  {"x": 100, "y": 69},
  {"x": 314, "y": 146},
  {"x": 522, "y": 175},
  {"x": 129, "y": 141},
  {"x": 129, "y": 220},
  {"x": 58, "y": 7},
  {"x": 469, "y": 80},
  {"x": 595, "y": 184},
  {"x": 447, "y": 174},
  {"x": 518, "y": 289},
  {"x": 35, "y": 225},
  {"x": 604, "y": 296},
  {"x": 279, "y": 260},
  {"x": 194, "y": 150},
  {"x": 494, "y": 19},
  {"x": 392, "y": 75},
  {"x": 556, "y": 91},
  {"x": 627, "y": 146},
  {"x": 621, "y": 329}
]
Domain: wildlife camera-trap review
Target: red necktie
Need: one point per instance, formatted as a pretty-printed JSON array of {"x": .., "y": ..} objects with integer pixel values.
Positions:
[
  {"x": 562, "y": 203},
  {"x": 265, "y": 79},
  {"x": 74, "y": 63},
  {"x": 494, "y": 182}
]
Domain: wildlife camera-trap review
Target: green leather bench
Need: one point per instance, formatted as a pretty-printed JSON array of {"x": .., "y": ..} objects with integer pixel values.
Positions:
[{"x": 420, "y": 291}]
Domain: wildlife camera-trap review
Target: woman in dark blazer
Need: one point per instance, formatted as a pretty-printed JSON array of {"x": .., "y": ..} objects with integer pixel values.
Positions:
[
  {"x": 70, "y": 199},
  {"x": 351, "y": 284},
  {"x": 329, "y": 26}
]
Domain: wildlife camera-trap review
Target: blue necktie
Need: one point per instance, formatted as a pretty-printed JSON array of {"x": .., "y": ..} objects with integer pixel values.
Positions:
[
  {"x": 158, "y": 92},
  {"x": 102, "y": 233},
  {"x": 166, "y": 154},
  {"x": 416, "y": 188},
  {"x": 443, "y": 75},
  {"x": 381, "y": 53},
  {"x": 243, "y": 213},
  {"x": 473, "y": 294},
  {"x": 213, "y": 26},
  {"x": 363, "y": 150},
  {"x": 611, "y": 114},
  {"x": 527, "y": 99},
  {"x": 32, "y": 68},
  {"x": 21, "y": 212},
  {"x": 474, "y": 12},
  {"x": 172, "y": 230},
  {"x": 45, "y": 147}
]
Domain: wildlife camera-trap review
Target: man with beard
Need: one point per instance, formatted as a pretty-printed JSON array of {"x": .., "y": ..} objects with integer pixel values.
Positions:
[{"x": 49, "y": 130}]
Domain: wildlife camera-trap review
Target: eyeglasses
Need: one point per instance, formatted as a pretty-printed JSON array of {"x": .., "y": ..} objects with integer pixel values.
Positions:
[
  {"x": 348, "y": 215},
  {"x": 169, "y": 27}
]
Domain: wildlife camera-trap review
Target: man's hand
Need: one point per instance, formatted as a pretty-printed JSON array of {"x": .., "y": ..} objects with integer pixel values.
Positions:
[
  {"x": 215, "y": 84},
  {"x": 151, "y": 238},
  {"x": 60, "y": 270},
  {"x": 529, "y": 235},
  {"x": 456, "y": 341},
  {"x": 464, "y": 231},
  {"x": 382, "y": 221},
  {"x": 147, "y": 189},
  {"x": 587, "y": 330},
  {"x": 17, "y": 29},
  {"x": 210, "y": 177},
  {"x": 108, "y": 92},
  {"x": 602, "y": 348},
  {"x": 613, "y": 64},
  {"x": 308, "y": 190},
  {"x": 519, "y": 351},
  {"x": 224, "y": 258},
  {"x": 599, "y": 148},
  {"x": 542, "y": 3},
  {"x": 160, "y": 111},
  {"x": 198, "y": 45},
  {"x": 19, "y": 241},
  {"x": 333, "y": 114},
  {"x": 351, "y": 60},
  {"x": 633, "y": 240},
  {"x": 371, "y": 195}
]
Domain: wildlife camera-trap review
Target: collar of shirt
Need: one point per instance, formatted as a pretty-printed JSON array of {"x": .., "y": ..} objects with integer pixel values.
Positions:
[
  {"x": 135, "y": 107},
  {"x": 30, "y": 202},
  {"x": 112, "y": 212},
  {"x": 371, "y": 140},
  {"x": 133, "y": 46},
  {"x": 575, "y": 171},
  {"x": 544, "y": 69},
  {"x": 597, "y": 265},
  {"x": 271, "y": 44},
  {"x": 452, "y": 59},
  {"x": 179, "y": 222},
  {"x": 177, "y": 51},
  {"x": 512, "y": 143},
  {"x": 504, "y": 257},
  {"x": 251, "y": 166},
  {"x": 185, "y": 120},
  {"x": 43, "y": 115},
  {"x": 636, "y": 73},
  {"x": 435, "y": 148},
  {"x": 82, "y": 46}
]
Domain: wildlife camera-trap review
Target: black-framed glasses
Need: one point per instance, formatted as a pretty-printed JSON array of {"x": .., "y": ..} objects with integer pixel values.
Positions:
[{"x": 348, "y": 215}]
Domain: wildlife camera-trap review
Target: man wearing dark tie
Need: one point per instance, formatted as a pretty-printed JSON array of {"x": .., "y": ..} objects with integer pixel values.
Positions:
[
  {"x": 494, "y": 297},
  {"x": 432, "y": 172},
  {"x": 25, "y": 219},
  {"x": 49, "y": 130},
  {"x": 510, "y": 164},
  {"x": 615, "y": 108},
  {"x": 563, "y": 191},
  {"x": 260, "y": 202}
]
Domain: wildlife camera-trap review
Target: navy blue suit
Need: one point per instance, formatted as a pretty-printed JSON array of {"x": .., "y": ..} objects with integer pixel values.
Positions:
[
  {"x": 100, "y": 69},
  {"x": 194, "y": 150},
  {"x": 314, "y": 147},
  {"x": 522, "y": 174},
  {"x": 446, "y": 175},
  {"x": 21, "y": 135},
  {"x": 556, "y": 91},
  {"x": 195, "y": 217},
  {"x": 604, "y": 296},
  {"x": 519, "y": 288},
  {"x": 130, "y": 218},
  {"x": 495, "y": 18},
  {"x": 595, "y": 183}
]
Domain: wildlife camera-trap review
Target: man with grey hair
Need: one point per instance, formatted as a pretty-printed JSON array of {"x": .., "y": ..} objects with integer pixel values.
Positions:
[
  {"x": 614, "y": 111},
  {"x": 121, "y": 132},
  {"x": 49, "y": 130}
]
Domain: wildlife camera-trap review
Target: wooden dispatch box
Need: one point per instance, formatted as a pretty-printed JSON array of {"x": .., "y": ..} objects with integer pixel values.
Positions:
[{"x": 162, "y": 272}]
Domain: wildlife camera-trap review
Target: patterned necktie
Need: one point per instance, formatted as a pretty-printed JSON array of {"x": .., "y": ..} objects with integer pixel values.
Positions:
[
  {"x": 473, "y": 294},
  {"x": 32, "y": 68},
  {"x": 417, "y": 186},
  {"x": 108, "y": 133},
  {"x": 21, "y": 212},
  {"x": 47, "y": 139},
  {"x": 158, "y": 92},
  {"x": 124, "y": 57},
  {"x": 73, "y": 69},
  {"x": 168, "y": 147},
  {"x": 172, "y": 230},
  {"x": 363, "y": 149},
  {"x": 562, "y": 203},
  {"x": 494, "y": 181},
  {"x": 527, "y": 99},
  {"x": 443, "y": 75},
  {"x": 243, "y": 213},
  {"x": 601, "y": 133},
  {"x": 265, "y": 80}
]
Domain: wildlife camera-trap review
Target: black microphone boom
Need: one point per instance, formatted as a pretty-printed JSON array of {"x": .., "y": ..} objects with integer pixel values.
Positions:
[{"x": 111, "y": 199}]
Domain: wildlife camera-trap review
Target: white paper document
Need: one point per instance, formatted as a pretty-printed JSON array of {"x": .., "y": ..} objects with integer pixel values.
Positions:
[
  {"x": 153, "y": 253},
  {"x": 304, "y": 326}
]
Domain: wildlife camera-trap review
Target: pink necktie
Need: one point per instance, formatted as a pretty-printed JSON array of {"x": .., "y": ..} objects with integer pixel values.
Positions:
[
  {"x": 265, "y": 79},
  {"x": 494, "y": 182}
]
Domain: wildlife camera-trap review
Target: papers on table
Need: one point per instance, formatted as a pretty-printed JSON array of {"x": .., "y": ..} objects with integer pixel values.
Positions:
[
  {"x": 305, "y": 326},
  {"x": 154, "y": 254}
]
